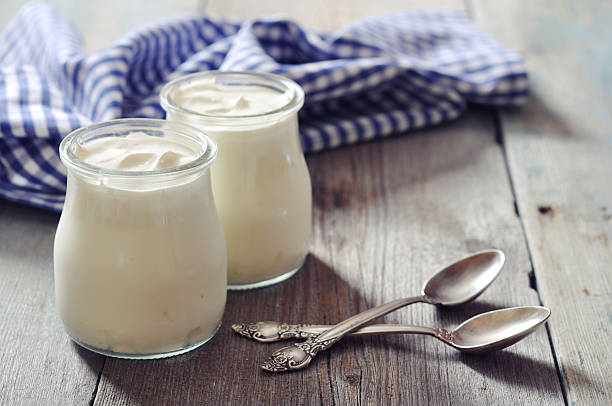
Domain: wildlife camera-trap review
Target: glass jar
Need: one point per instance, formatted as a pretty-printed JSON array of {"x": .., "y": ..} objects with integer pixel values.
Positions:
[
  {"x": 139, "y": 257},
  {"x": 260, "y": 180}
]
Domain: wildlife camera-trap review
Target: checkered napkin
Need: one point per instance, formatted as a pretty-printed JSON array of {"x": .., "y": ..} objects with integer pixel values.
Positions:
[{"x": 379, "y": 76}]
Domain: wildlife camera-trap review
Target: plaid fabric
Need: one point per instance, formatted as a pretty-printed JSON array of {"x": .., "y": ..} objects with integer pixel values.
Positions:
[{"x": 379, "y": 76}]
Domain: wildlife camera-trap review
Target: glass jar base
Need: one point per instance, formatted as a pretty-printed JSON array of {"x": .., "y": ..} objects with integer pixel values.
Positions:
[
  {"x": 268, "y": 282},
  {"x": 167, "y": 354}
]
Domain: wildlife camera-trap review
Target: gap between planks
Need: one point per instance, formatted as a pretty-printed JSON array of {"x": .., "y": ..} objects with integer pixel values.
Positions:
[
  {"x": 499, "y": 137},
  {"x": 94, "y": 394}
]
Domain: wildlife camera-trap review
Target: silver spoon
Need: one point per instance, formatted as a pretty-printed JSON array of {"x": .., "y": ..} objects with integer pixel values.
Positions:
[
  {"x": 456, "y": 284},
  {"x": 273, "y": 331},
  {"x": 485, "y": 332}
]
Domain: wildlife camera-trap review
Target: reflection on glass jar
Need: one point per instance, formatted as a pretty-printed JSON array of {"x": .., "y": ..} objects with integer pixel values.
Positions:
[
  {"x": 260, "y": 180},
  {"x": 139, "y": 256}
]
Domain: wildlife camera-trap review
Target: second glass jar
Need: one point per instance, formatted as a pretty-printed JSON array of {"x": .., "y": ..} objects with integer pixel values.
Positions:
[{"x": 260, "y": 180}]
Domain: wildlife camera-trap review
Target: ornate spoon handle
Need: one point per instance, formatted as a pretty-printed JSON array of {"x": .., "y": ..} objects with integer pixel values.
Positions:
[
  {"x": 271, "y": 331},
  {"x": 299, "y": 355}
]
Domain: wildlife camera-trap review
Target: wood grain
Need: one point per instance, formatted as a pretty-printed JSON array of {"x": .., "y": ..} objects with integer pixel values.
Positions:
[
  {"x": 318, "y": 14},
  {"x": 39, "y": 365},
  {"x": 103, "y": 22},
  {"x": 387, "y": 215},
  {"x": 559, "y": 153}
]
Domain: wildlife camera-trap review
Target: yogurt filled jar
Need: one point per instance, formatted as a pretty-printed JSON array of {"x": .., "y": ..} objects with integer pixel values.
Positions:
[
  {"x": 260, "y": 181},
  {"x": 139, "y": 255}
]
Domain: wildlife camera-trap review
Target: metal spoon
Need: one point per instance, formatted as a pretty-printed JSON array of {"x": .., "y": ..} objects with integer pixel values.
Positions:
[
  {"x": 456, "y": 284},
  {"x": 273, "y": 331},
  {"x": 282, "y": 331},
  {"x": 482, "y": 333}
]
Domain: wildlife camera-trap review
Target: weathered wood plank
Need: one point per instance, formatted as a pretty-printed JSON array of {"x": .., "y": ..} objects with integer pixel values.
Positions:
[
  {"x": 387, "y": 215},
  {"x": 39, "y": 365},
  {"x": 102, "y": 22},
  {"x": 559, "y": 151},
  {"x": 318, "y": 14}
]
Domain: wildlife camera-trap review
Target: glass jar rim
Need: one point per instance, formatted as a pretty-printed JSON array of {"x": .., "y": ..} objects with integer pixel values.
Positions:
[
  {"x": 72, "y": 161},
  {"x": 271, "y": 79}
]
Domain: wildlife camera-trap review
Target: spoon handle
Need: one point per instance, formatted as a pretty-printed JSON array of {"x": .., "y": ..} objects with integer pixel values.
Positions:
[
  {"x": 375, "y": 329},
  {"x": 283, "y": 331},
  {"x": 299, "y": 355},
  {"x": 336, "y": 332}
]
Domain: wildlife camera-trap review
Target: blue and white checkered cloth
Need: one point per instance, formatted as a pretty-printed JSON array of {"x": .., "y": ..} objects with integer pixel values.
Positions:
[{"x": 379, "y": 76}]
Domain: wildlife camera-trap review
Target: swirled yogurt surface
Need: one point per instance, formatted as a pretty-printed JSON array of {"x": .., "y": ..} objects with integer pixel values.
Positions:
[
  {"x": 136, "y": 152},
  {"x": 206, "y": 97}
]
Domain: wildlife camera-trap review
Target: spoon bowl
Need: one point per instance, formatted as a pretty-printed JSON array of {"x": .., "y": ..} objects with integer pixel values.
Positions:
[
  {"x": 497, "y": 329},
  {"x": 465, "y": 279}
]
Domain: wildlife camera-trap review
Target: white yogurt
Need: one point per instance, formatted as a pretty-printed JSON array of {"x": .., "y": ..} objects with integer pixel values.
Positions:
[
  {"x": 260, "y": 179},
  {"x": 136, "y": 151},
  {"x": 140, "y": 261},
  {"x": 207, "y": 97}
]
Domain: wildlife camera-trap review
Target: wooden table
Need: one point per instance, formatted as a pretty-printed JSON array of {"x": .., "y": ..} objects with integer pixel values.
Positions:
[{"x": 535, "y": 182}]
